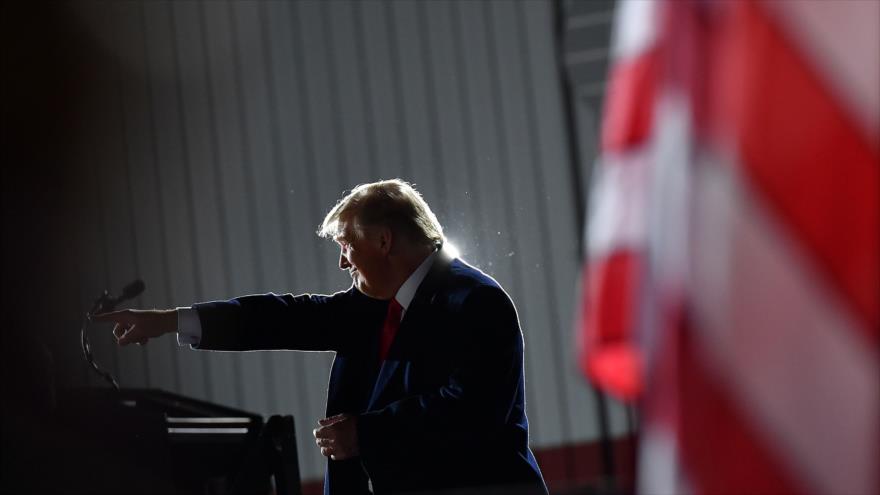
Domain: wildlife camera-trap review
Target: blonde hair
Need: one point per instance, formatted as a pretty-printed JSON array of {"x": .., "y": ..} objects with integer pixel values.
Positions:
[{"x": 390, "y": 203}]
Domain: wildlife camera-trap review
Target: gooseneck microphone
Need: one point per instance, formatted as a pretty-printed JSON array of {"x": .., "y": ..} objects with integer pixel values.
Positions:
[
  {"x": 130, "y": 291},
  {"x": 104, "y": 304}
]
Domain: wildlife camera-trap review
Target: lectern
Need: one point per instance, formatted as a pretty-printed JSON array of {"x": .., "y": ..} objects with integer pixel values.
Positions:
[{"x": 149, "y": 441}]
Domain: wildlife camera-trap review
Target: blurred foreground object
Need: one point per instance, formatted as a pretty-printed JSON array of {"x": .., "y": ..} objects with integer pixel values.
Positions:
[{"x": 731, "y": 283}]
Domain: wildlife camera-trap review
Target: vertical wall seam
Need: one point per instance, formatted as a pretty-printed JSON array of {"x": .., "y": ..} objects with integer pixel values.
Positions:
[
  {"x": 366, "y": 90},
  {"x": 304, "y": 98},
  {"x": 95, "y": 168},
  {"x": 187, "y": 182},
  {"x": 305, "y": 121},
  {"x": 433, "y": 116},
  {"x": 539, "y": 185},
  {"x": 247, "y": 166},
  {"x": 402, "y": 132},
  {"x": 126, "y": 150},
  {"x": 503, "y": 158},
  {"x": 278, "y": 165},
  {"x": 103, "y": 241},
  {"x": 309, "y": 151},
  {"x": 226, "y": 256},
  {"x": 245, "y": 141},
  {"x": 571, "y": 127},
  {"x": 158, "y": 176},
  {"x": 342, "y": 159},
  {"x": 467, "y": 117}
]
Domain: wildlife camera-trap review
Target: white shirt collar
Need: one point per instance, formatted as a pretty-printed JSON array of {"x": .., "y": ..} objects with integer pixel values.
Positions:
[{"x": 407, "y": 291}]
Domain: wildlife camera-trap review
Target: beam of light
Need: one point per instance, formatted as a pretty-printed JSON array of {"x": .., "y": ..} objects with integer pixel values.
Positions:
[{"x": 451, "y": 248}]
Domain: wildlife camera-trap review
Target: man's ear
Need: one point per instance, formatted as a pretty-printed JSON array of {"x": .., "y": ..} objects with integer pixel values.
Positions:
[{"x": 386, "y": 240}]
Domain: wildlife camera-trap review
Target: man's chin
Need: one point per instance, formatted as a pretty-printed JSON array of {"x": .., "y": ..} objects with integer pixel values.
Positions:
[
  {"x": 368, "y": 291},
  {"x": 362, "y": 288}
]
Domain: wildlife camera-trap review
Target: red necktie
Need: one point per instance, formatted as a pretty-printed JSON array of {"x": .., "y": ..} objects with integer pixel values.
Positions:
[{"x": 389, "y": 328}]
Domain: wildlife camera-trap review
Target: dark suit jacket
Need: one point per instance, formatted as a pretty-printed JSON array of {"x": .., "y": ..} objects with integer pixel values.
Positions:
[{"x": 446, "y": 409}]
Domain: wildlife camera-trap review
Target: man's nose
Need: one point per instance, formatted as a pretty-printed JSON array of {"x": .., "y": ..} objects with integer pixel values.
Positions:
[{"x": 343, "y": 262}]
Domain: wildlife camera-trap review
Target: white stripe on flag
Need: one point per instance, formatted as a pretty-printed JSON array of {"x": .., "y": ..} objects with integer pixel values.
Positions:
[
  {"x": 617, "y": 205},
  {"x": 842, "y": 42},
  {"x": 669, "y": 208},
  {"x": 781, "y": 339},
  {"x": 635, "y": 28},
  {"x": 659, "y": 466}
]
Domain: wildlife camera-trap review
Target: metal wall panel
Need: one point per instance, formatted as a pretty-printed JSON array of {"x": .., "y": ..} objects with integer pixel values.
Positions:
[
  {"x": 210, "y": 250},
  {"x": 560, "y": 260},
  {"x": 137, "y": 130},
  {"x": 225, "y": 130}
]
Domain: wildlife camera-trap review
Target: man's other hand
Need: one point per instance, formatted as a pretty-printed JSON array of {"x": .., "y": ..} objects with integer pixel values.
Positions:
[
  {"x": 137, "y": 326},
  {"x": 337, "y": 437}
]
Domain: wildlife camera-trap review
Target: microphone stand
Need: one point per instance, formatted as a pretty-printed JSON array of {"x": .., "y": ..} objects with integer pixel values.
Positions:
[
  {"x": 102, "y": 304},
  {"x": 105, "y": 303}
]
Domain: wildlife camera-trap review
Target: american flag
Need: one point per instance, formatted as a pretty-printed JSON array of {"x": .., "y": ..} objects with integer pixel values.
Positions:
[{"x": 732, "y": 283}]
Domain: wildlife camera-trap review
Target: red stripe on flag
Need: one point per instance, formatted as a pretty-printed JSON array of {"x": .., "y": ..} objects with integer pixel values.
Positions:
[
  {"x": 611, "y": 359},
  {"x": 629, "y": 101},
  {"x": 805, "y": 154},
  {"x": 722, "y": 452}
]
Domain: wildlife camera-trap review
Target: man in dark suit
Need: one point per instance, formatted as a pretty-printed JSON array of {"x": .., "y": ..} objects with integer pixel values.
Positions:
[{"x": 427, "y": 388}]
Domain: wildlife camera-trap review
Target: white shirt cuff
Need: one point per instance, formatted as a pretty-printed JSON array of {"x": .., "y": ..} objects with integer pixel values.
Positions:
[{"x": 189, "y": 327}]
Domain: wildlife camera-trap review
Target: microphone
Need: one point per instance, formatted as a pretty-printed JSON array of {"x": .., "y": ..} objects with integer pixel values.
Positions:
[
  {"x": 108, "y": 303},
  {"x": 131, "y": 291},
  {"x": 104, "y": 304}
]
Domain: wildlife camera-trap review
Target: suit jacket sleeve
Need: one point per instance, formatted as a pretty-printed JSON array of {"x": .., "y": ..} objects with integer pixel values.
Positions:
[
  {"x": 267, "y": 321},
  {"x": 476, "y": 401}
]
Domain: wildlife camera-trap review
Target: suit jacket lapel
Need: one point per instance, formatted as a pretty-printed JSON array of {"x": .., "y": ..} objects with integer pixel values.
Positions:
[
  {"x": 422, "y": 299},
  {"x": 385, "y": 375}
]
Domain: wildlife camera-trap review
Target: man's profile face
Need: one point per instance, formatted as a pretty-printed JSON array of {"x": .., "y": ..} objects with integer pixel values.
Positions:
[{"x": 362, "y": 257}]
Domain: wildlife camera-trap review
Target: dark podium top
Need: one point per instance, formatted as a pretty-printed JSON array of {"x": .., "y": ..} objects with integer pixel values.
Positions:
[{"x": 152, "y": 441}]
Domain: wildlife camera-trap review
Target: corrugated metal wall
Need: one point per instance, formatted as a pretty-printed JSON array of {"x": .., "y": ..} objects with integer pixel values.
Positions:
[{"x": 225, "y": 130}]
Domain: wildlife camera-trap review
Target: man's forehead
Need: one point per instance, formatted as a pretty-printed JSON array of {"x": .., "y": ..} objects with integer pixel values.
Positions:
[{"x": 344, "y": 231}]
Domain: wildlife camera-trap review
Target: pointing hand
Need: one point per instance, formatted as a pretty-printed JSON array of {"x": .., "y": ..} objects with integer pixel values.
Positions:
[{"x": 137, "y": 326}]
